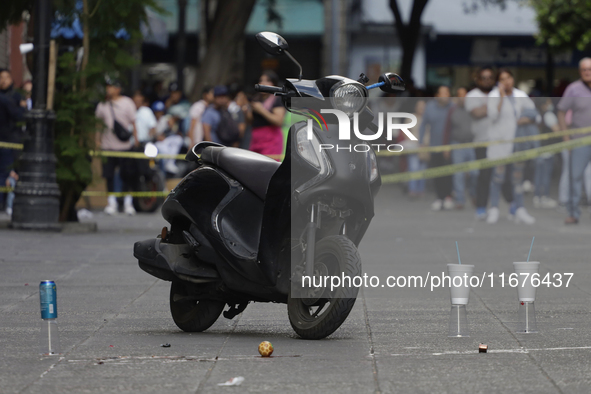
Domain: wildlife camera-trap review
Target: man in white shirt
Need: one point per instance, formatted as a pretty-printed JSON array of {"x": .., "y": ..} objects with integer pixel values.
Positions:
[
  {"x": 196, "y": 112},
  {"x": 476, "y": 104},
  {"x": 145, "y": 121}
]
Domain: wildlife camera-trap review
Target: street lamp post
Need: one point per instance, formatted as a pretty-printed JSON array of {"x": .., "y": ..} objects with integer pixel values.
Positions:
[{"x": 36, "y": 203}]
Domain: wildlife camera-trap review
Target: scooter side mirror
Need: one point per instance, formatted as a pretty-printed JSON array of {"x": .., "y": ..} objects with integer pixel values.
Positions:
[
  {"x": 272, "y": 43},
  {"x": 392, "y": 83}
]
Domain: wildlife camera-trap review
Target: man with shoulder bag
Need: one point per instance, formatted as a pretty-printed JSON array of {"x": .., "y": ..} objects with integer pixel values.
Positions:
[{"x": 118, "y": 114}]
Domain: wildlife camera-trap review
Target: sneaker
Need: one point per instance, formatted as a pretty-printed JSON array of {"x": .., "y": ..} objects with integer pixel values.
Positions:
[
  {"x": 547, "y": 203},
  {"x": 9, "y": 211},
  {"x": 521, "y": 216},
  {"x": 111, "y": 209},
  {"x": 129, "y": 210},
  {"x": 571, "y": 220},
  {"x": 528, "y": 187},
  {"x": 537, "y": 202},
  {"x": 481, "y": 213},
  {"x": 448, "y": 203},
  {"x": 493, "y": 215},
  {"x": 437, "y": 205}
]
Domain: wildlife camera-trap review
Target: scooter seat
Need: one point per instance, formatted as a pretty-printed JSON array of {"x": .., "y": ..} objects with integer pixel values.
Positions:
[{"x": 251, "y": 169}]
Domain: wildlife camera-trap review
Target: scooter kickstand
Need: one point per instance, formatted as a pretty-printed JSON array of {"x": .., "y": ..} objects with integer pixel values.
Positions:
[{"x": 234, "y": 310}]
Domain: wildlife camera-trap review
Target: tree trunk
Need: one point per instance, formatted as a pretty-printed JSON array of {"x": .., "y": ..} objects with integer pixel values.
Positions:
[
  {"x": 227, "y": 30},
  {"x": 408, "y": 33}
]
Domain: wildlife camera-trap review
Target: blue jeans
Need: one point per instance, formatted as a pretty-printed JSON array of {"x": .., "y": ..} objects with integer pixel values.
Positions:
[
  {"x": 543, "y": 175},
  {"x": 579, "y": 158},
  {"x": 463, "y": 156},
  {"x": 414, "y": 164},
  {"x": 10, "y": 197},
  {"x": 498, "y": 178}
]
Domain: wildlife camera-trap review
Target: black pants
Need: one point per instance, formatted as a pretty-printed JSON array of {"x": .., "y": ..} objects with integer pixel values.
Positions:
[
  {"x": 443, "y": 184},
  {"x": 127, "y": 171}
]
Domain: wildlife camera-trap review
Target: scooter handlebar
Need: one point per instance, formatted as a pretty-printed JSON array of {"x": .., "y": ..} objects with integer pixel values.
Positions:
[{"x": 268, "y": 89}]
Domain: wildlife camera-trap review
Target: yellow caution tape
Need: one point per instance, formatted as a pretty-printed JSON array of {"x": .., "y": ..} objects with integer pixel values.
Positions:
[
  {"x": 485, "y": 163},
  {"x": 124, "y": 154},
  {"x": 10, "y": 145},
  {"x": 446, "y": 148},
  {"x": 105, "y": 194},
  {"x": 123, "y": 194}
]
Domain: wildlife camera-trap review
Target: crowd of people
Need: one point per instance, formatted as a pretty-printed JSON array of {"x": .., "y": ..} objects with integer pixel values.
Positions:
[
  {"x": 496, "y": 110},
  {"x": 224, "y": 115}
]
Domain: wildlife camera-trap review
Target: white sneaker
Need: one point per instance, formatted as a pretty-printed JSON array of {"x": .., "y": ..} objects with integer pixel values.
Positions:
[
  {"x": 521, "y": 216},
  {"x": 528, "y": 187},
  {"x": 448, "y": 203},
  {"x": 111, "y": 209},
  {"x": 128, "y": 205},
  {"x": 437, "y": 205},
  {"x": 129, "y": 210},
  {"x": 548, "y": 203},
  {"x": 9, "y": 211},
  {"x": 493, "y": 215},
  {"x": 537, "y": 202}
]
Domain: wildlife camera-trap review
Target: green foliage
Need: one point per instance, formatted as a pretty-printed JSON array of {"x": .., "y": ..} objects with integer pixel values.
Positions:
[
  {"x": 564, "y": 25},
  {"x": 75, "y": 124},
  {"x": 75, "y": 127}
]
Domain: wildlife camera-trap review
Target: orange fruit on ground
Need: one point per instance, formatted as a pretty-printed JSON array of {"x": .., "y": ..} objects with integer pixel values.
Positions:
[{"x": 265, "y": 349}]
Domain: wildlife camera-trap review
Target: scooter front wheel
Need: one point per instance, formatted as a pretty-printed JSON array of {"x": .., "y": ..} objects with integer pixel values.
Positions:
[
  {"x": 189, "y": 314},
  {"x": 319, "y": 317}
]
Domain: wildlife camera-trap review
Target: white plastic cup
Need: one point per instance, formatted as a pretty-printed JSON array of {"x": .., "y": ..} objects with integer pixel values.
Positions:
[
  {"x": 460, "y": 293},
  {"x": 525, "y": 290}
]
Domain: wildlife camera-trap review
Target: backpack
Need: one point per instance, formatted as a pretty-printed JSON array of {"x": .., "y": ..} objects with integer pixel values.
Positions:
[{"x": 227, "y": 130}]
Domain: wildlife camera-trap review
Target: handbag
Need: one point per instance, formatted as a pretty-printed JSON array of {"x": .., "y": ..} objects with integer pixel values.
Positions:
[{"x": 121, "y": 132}]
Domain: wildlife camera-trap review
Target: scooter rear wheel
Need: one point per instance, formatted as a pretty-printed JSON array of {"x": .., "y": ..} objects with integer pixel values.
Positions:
[
  {"x": 319, "y": 317},
  {"x": 192, "y": 315}
]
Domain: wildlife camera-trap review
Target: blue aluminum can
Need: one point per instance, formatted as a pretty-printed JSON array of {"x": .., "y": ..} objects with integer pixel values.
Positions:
[{"x": 48, "y": 297}]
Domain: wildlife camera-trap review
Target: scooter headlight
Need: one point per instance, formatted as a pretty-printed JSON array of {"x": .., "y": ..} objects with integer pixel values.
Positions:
[
  {"x": 308, "y": 149},
  {"x": 349, "y": 97}
]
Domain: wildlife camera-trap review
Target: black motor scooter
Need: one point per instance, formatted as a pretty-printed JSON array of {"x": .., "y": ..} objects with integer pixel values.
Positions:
[{"x": 244, "y": 227}]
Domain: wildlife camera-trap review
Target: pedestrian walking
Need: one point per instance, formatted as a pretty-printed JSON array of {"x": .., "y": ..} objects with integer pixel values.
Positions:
[
  {"x": 434, "y": 120},
  {"x": 267, "y": 116},
  {"x": 477, "y": 104},
  {"x": 458, "y": 130},
  {"x": 118, "y": 114},
  {"x": 11, "y": 112},
  {"x": 196, "y": 113},
  {"x": 145, "y": 120},
  {"x": 577, "y": 98},
  {"x": 218, "y": 124},
  {"x": 507, "y": 109}
]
